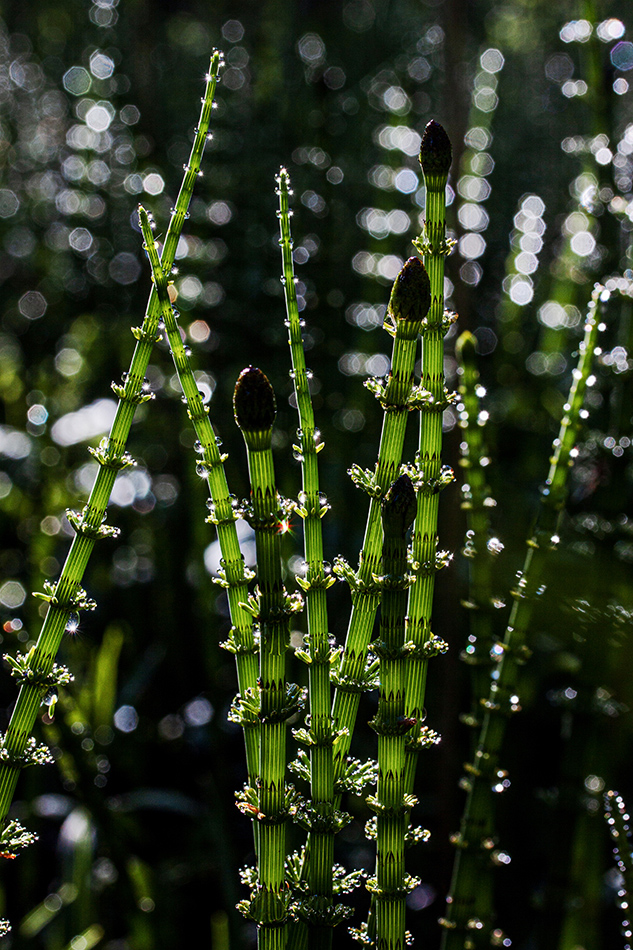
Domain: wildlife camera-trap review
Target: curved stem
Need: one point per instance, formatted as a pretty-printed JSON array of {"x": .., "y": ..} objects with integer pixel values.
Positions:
[
  {"x": 233, "y": 573},
  {"x": 66, "y": 595},
  {"x": 469, "y": 909}
]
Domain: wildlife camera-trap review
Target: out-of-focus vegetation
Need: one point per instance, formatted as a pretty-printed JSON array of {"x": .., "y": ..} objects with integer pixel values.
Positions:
[{"x": 139, "y": 837}]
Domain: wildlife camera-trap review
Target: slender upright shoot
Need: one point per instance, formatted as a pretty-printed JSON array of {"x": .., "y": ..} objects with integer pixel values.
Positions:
[
  {"x": 469, "y": 910},
  {"x": 319, "y": 814},
  {"x": 391, "y": 805},
  {"x": 36, "y": 672},
  {"x": 274, "y": 701},
  {"x": 435, "y": 159},
  {"x": 234, "y": 575},
  {"x": 408, "y": 306}
]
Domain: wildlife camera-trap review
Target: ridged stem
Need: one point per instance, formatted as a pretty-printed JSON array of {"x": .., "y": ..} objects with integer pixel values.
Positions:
[
  {"x": 254, "y": 406},
  {"x": 468, "y": 919},
  {"x": 398, "y": 396},
  {"x": 390, "y": 804},
  {"x": 233, "y": 574},
  {"x": 435, "y": 158},
  {"x": 314, "y": 581},
  {"x": 66, "y": 596}
]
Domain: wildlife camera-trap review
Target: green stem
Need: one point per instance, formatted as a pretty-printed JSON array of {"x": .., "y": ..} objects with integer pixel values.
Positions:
[
  {"x": 435, "y": 159},
  {"x": 254, "y": 412},
  {"x": 233, "y": 574},
  {"x": 66, "y": 595},
  {"x": 390, "y": 804},
  {"x": 470, "y": 894},
  {"x": 408, "y": 306},
  {"x": 322, "y": 914}
]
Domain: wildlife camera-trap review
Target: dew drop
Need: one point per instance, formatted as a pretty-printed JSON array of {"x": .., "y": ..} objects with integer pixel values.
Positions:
[{"x": 72, "y": 624}]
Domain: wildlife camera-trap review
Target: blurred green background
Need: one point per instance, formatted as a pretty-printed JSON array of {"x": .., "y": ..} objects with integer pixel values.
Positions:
[{"x": 140, "y": 842}]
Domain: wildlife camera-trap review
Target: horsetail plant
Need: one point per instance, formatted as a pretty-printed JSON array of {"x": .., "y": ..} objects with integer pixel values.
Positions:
[
  {"x": 36, "y": 672},
  {"x": 468, "y": 920},
  {"x": 432, "y": 476},
  {"x": 481, "y": 547},
  {"x": 408, "y": 305},
  {"x": 319, "y": 816},
  {"x": 391, "y": 804},
  {"x": 274, "y": 701},
  {"x": 233, "y": 574}
]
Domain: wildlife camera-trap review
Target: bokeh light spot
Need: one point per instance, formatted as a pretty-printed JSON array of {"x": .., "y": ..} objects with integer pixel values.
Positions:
[
  {"x": 101, "y": 66},
  {"x": 153, "y": 183},
  {"x": 12, "y": 595},
  {"x": 99, "y": 116},
  {"x": 233, "y": 31},
  {"x": 80, "y": 240},
  {"x": 126, "y": 719},
  {"x": 492, "y": 60},
  {"x": 77, "y": 81},
  {"x": 32, "y": 305},
  {"x": 124, "y": 268},
  {"x": 311, "y": 49}
]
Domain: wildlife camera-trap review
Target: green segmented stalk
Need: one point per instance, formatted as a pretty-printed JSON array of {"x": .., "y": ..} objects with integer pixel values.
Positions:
[
  {"x": 408, "y": 305},
  {"x": 233, "y": 573},
  {"x": 480, "y": 547},
  {"x": 435, "y": 159},
  {"x": 618, "y": 818},
  {"x": 469, "y": 909},
  {"x": 254, "y": 404},
  {"x": 320, "y": 817},
  {"x": 391, "y": 805},
  {"x": 66, "y": 595}
]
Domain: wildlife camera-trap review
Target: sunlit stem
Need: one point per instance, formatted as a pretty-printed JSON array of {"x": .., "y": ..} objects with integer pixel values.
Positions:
[
  {"x": 470, "y": 893},
  {"x": 390, "y": 803},
  {"x": 435, "y": 158},
  {"x": 408, "y": 307},
  {"x": 314, "y": 582},
  {"x": 234, "y": 577},
  {"x": 66, "y": 596},
  {"x": 254, "y": 412}
]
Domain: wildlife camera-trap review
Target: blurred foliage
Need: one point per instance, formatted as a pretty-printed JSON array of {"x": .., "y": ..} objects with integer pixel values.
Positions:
[{"x": 139, "y": 838}]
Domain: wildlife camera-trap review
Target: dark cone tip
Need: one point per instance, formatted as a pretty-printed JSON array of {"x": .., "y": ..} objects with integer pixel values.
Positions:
[
  {"x": 399, "y": 504},
  {"x": 411, "y": 293},
  {"x": 254, "y": 401},
  {"x": 436, "y": 153}
]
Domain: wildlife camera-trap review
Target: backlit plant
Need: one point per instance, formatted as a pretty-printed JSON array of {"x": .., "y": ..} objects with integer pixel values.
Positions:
[{"x": 296, "y": 892}]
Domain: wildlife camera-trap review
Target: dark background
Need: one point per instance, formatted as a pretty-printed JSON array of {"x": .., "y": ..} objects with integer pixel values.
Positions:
[{"x": 140, "y": 842}]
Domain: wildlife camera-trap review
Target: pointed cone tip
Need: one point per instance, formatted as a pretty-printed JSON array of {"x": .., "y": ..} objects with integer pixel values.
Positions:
[
  {"x": 436, "y": 153},
  {"x": 254, "y": 401},
  {"x": 411, "y": 292}
]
